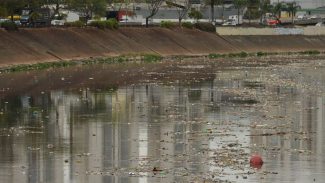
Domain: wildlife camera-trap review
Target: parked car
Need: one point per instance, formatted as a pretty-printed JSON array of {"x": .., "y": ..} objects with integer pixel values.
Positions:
[
  {"x": 43, "y": 17},
  {"x": 234, "y": 20},
  {"x": 302, "y": 17},
  {"x": 273, "y": 22},
  {"x": 4, "y": 20},
  {"x": 57, "y": 22},
  {"x": 314, "y": 17}
]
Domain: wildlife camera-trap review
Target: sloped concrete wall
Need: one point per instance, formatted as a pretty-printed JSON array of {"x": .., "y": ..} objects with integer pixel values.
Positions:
[{"x": 55, "y": 44}]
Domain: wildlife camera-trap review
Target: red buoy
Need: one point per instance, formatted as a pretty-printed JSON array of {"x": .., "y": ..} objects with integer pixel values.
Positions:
[{"x": 256, "y": 161}]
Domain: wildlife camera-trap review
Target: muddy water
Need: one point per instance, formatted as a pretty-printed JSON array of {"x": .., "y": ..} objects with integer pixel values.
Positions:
[{"x": 194, "y": 121}]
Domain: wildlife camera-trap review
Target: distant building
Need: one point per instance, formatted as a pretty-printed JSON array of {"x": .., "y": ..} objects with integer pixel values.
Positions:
[{"x": 309, "y": 4}]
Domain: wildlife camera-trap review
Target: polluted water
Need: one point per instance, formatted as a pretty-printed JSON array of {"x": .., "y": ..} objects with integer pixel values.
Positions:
[{"x": 184, "y": 120}]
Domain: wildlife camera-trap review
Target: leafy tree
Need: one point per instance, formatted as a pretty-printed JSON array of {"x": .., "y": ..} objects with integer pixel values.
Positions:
[
  {"x": 182, "y": 8},
  {"x": 33, "y": 18},
  {"x": 58, "y": 5},
  {"x": 89, "y": 8},
  {"x": 3, "y": 11},
  {"x": 153, "y": 7},
  {"x": 195, "y": 14},
  {"x": 10, "y": 7},
  {"x": 34, "y": 4}
]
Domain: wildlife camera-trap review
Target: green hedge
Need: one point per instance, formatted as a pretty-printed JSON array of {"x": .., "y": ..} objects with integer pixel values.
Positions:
[
  {"x": 111, "y": 23},
  {"x": 75, "y": 24},
  {"x": 188, "y": 25},
  {"x": 9, "y": 26},
  {"x": 167, "y": 24}
]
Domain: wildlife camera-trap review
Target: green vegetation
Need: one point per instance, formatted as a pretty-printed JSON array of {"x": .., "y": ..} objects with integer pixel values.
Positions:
[
  {"x": 9, "y": 26},
  {"x": 92, "y": 9},
  {"x": 40, "y": 66},
  {"x": 167, "y": 24},
  {"x": 147, "y": 58},
  {"x": 261, "y": 54},
  {"x": 152, "y": 58},
  {"x": 111, "y": 23},
  {"x": 195, "y": 14},
  {"x": 74, "y": 24},
  {"x": 188, "y": 25},
  {"x": 240, "y": 55},
  {"x": 310, "y": 52},
  {"x": 216, "y": 55},
  {"x": 229, "y": 55}
]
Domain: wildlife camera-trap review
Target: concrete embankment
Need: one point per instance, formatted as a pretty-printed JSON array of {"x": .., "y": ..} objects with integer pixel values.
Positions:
[{"x": 54, "y": 44}]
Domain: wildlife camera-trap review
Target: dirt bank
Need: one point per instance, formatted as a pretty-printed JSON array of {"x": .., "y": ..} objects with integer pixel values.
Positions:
[{"x": 52, "y": 44}]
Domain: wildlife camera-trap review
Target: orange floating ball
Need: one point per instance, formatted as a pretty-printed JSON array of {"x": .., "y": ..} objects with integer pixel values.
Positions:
[{"x": 256, "y": 161}]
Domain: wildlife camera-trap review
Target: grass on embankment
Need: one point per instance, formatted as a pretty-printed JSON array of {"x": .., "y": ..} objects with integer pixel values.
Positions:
[
  {"x": 261, "y": 54},
  {"x": 145, "y": 58}
]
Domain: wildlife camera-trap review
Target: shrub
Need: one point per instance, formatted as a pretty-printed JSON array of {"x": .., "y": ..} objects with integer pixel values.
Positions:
[
  {"x": 243, "y": 54},
  {"x": 9, "y": 26},
  {"x": 167, "y": 24},
  {"x": 214, "y": 55},
  {"x": 188, "y": 25},
  {"x": 310, "y": 52},
  {"x": 111, "y": 23},
  {"x": 204, "y": 26},
  {"x": 260, "y": 54},
  {"x": 151, "y": 58},
  {"x": 74, "y": 24}
]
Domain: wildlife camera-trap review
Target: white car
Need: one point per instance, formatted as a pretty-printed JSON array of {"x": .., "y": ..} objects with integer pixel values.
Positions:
[
  {"x": 57, "y": 22},
  {"x": 4, "y": 20},
  {"x": 302, "y": 17}
]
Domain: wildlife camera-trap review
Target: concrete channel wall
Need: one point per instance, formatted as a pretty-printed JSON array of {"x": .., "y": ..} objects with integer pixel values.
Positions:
[
  {"x": 238, "y": 31},
  {"x": 54, "y": 44}
]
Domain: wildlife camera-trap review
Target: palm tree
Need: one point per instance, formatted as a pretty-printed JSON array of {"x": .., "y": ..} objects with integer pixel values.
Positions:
[
  {"x": 277, "y": 9},
  {"x": 212, "y": 3},
  {"x": 222, "y": 2},
  {"x": 292, "y": 9},
  {"x": 264, "y": 8},
  {"x": 251, "y": 6},
  {"x": 239, "y": 5}
]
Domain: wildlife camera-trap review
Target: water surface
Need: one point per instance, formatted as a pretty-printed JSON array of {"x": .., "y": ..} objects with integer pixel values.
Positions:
[{"x": 191, "y": 121}]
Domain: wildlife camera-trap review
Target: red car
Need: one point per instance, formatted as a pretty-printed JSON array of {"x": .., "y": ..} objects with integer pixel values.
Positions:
[{"x": 273, "y": 22}]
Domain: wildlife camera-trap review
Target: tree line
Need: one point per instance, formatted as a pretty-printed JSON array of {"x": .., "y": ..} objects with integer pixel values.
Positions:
[
  {"x": 86, "y": 7},
  {"x": 89, "y": 8}
]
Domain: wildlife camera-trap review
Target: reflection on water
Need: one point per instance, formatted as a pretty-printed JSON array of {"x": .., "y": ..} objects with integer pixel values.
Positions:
[{"x": 178, "y": 132}]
